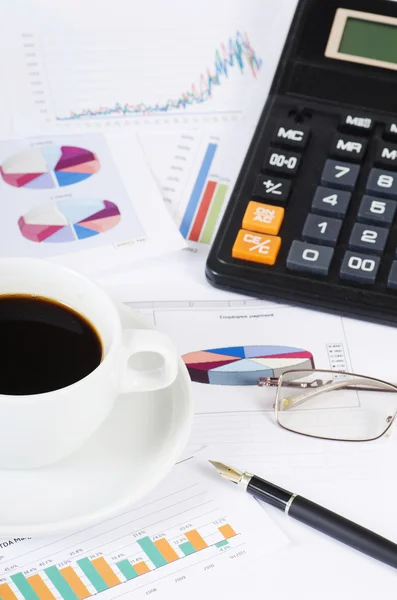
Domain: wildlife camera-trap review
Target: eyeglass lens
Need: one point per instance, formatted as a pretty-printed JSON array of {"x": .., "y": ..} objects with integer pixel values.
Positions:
[{"x": 335, "y": 405}]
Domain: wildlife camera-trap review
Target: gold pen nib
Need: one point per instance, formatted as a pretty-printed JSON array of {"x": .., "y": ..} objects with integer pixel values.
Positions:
[{"x": 229, "y": 473}]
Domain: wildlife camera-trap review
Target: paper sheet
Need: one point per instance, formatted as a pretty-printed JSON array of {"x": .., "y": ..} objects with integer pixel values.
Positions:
[
  {"x": 87, "y": 201},
  {"x": 188, "y": 537},
  {"x": 355, "y": 479}
]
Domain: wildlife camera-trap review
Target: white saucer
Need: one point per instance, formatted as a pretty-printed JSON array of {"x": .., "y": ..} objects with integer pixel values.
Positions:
[{"x": 117, "y": 466}]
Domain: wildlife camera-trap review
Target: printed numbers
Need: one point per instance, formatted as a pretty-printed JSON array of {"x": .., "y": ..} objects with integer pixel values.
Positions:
[
  {"x": 280, "y": 160},
  {"x": 362, "y": 264},
  {"x": 310, "y": 254},
  {"x": 385, "y": 181}
]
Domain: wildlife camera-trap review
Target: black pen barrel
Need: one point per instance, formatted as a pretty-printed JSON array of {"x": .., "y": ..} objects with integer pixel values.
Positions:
[{"x": 343, "y": 530}]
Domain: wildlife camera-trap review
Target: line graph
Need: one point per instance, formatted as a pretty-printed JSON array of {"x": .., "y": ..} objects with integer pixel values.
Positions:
[
  {"x": 101, "y": 78},
  {"x": 236, "y": 54}
]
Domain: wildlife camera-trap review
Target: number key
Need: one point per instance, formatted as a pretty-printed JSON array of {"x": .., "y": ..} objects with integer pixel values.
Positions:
[
  {"x": 309, "y": 258},
  {"x": 324, "y": 230},
  {"x": 329, "y": 201},
  {"x": 282, "y": 161},
  {"x": 359, "y": 268},
  {"x": 382, "y": 183},
  {"x": 377, "y": 211},
  {"x": 365, "y": 237},
  {"x": 340, "y": 174}
]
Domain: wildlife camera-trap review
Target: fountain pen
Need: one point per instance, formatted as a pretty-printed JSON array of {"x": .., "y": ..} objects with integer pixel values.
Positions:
[{"x": 313, "y": 515}]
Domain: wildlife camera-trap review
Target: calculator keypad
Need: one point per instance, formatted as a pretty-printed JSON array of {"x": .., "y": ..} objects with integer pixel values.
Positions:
[{"x": 370, "y": 217}]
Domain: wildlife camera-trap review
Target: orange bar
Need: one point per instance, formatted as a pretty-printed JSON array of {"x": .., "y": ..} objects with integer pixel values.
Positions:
[
  {"x": 6, "y": 592},
  {"x": 40, "y": 588},
  {"x": 105, "y": 571},
  {"x": 141, "y": 568},
  {"x": 227, "y": 531},
  {"x": 166, "y": 550},
  {"x": 195, "y": 539},
  {"x": 75, "y": 582}
]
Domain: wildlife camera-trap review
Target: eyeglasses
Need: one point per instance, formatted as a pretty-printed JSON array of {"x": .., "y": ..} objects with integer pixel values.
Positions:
[{"x": 333, "y": 405}]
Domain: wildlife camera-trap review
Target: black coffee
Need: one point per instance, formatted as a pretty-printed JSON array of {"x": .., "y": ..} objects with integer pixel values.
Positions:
[{"x": 44, "y": 345}]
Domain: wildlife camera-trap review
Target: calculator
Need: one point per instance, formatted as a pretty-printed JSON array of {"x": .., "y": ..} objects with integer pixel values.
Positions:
[{"x": 312, "y": 219}]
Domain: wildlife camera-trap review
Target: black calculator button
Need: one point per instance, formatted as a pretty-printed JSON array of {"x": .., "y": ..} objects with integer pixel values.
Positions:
[
  {"x": 294, "y": 137},
  {"x": 360, "y": 268},
  {"x": 368, "y": 238},
  {"x": 272, "y": 188},
  {"x": 348, "y": 147},
  {"x": 376, "y": 210},
  {"x": 281, "y": 161},
  {"x": 309, "y": 258},
  {"x": 328, "y": 201},
  {"x": 382, "y": 183},
  {"x": 392, "y": 279},
  {"x": 391, "y": 130},
  {"x": 386, "y": 155},
  {"x": 324, "y": 230},
  {"x": 340, "y": 174},
  {"x": 360, "y": 124}
]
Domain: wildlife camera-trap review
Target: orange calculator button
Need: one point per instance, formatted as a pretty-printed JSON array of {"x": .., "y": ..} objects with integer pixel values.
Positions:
[
  {"x": 250, "y": 245},
  {"x": 263, "y": 218}
]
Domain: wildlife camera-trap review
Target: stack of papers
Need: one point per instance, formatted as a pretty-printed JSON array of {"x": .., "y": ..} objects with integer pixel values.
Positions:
[{"x": 122, "y": 134}]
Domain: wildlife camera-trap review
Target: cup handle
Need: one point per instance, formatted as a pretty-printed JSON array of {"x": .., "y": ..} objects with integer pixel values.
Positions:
[{"x": 148, "y": 373}]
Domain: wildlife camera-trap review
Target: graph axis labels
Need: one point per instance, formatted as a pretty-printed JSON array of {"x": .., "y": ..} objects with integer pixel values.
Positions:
[
  {"x": 244, "y": 365},
  {"x": 49, "y": 166}
]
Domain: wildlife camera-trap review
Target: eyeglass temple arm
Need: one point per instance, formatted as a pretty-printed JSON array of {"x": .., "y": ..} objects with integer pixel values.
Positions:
[{"x": 297, "y": 399}]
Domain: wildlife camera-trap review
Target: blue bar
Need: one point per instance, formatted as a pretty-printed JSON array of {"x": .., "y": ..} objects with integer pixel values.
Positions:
[{"x": 197, "y": 190}]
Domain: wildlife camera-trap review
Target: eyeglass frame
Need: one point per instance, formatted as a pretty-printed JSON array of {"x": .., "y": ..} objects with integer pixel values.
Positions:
[{"x": 278, "y": 381}]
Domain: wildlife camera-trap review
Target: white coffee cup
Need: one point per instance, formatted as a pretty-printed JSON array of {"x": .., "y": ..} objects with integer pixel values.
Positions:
[{"x": 40, "y": 429}]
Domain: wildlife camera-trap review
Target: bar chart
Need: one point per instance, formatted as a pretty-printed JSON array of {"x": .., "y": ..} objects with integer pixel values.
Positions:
[
  {"x": 127, "y": 548},
  {"x": 205, "y": 202}
]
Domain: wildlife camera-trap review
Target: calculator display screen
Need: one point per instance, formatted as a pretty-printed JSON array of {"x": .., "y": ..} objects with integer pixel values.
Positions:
[{"x": 364, "y": 38}]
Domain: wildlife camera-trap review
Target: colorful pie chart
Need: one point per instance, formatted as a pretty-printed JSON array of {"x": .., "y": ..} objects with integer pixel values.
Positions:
[
  {"x": 243, "y": 365},
  {"x": 68, "y": 220},
  {"x": 49, "y": 166}
]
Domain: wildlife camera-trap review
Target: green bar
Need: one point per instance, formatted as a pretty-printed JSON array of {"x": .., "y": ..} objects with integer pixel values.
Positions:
[
  {"x": 369, "y": 40},
  {"x": 60, "y": 583},
  {"x": 127, "y": 569},
  {"x": 222, "y": 543},
  {"x": 213, "y": 215},
  {"x": 90, "y": 571},
  {"x": 150, "y": 549},
  {"x": 24, "y": 586},
  {"x": 187, "y": 548}
]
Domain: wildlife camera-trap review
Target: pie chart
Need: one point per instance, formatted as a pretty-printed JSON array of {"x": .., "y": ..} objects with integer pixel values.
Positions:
[
  {"x": 243, "y": 365},
  {"x": 49, "y": 166},
  {"x": 68, "y": 220}
]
